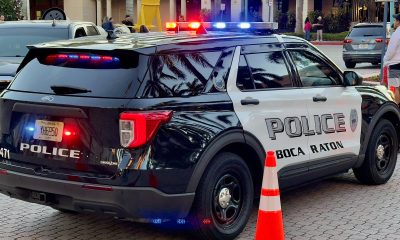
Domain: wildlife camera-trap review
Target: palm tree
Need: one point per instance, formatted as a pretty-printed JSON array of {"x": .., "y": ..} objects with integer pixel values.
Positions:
[{"x": 299, "y": 16}]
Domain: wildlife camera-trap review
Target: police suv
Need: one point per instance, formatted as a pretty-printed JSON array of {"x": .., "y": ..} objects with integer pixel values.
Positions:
[{"x": 175, "y": 126}]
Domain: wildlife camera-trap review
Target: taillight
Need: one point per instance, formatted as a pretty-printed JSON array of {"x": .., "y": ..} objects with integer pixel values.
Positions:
[
  {"x": 3, "y": 172},
  {"x": 348, "y": 41},
  {"x": 137, "y": 128},
  {"x": 379, "y": 40},
  {"x": 385, "y": 76},
  {"x": 392, "y": 89}
]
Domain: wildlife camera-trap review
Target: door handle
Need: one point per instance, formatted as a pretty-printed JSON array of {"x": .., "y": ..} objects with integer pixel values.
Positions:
[
  {"x": 319, "y": 98},
  {"x": 249, "y": 101}
]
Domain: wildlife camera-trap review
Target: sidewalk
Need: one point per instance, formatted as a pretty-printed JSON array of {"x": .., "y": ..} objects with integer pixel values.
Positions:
[{"x": 327, "y": 43}]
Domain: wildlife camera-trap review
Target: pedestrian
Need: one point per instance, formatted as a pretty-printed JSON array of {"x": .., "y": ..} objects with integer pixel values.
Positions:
[
  {"x": 392, "y": 58},
  {"x": 307, "y": 29},
  {"x": 107, "y": 24},
  {"x": 128, "y": 22},
  {"x": 2, "y": 18},
  {"x": 319, "y": 25}
]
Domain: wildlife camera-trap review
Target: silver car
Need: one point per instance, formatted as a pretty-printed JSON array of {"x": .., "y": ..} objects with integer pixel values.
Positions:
[{"x": 363, "y": 44}]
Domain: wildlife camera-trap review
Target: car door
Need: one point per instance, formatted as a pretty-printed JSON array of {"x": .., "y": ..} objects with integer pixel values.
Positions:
[
  {"x": 334, "y": 110},
  {"x": 268, "y": 103}
]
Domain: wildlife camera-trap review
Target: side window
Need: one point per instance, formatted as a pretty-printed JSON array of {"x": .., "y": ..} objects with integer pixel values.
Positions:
[
  {"x": 313, "y": 71},
  {"x": 80, "y": 32},
  {"x": 177, "y": 75},
  {"x": 269, "y": 70},
  {"x": 244, "y": 81},
  {"x": 91, "y": 31}
]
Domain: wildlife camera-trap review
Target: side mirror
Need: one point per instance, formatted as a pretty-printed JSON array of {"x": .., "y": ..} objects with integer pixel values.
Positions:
[{"x": 351, "y": 78}]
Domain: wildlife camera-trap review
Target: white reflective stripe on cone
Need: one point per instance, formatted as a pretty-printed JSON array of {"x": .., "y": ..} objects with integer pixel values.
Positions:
[
  {"x": 272, "y": 181},
  {"x": 270, "y": 204}
]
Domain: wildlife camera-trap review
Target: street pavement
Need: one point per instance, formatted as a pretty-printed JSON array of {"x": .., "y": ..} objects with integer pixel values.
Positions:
[
  {"x": 334, "y": 52},
  {"x": 338, "y": 208}
]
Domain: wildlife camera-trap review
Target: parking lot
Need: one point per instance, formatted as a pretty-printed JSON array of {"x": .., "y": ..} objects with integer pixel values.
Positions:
[{"x": 337, "y": 208}]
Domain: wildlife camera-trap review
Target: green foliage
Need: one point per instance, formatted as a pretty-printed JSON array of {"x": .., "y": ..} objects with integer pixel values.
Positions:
[
  {"x": 327, "y": 36},
  {"x": 11, "y": 9}
]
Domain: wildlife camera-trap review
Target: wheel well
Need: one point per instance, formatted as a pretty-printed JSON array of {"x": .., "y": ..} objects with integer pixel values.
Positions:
[
  {"x": 250, "y": 156},
  {"x": 393, "y": 118}
]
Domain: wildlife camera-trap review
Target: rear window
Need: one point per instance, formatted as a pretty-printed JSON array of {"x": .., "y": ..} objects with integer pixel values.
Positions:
[
  {"x": 121, "y": 80},
  {"x": 13, "y": 41},
  {"x": 366, "y": 31}
]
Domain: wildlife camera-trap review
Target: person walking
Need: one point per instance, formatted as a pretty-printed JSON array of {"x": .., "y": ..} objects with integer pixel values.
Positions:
[
  {"x": 307, "y": 29},
  {"x": 392, "y": 58},
  {"x": 319, "y": 26},
  {"x": 128, "y": 22}
]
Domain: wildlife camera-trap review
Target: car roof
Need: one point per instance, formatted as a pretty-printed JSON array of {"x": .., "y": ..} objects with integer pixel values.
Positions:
[
  {"x": 159, "y": 39},
  {"x": 368, "y": 25},
  {"x": 41, "y": 24}
]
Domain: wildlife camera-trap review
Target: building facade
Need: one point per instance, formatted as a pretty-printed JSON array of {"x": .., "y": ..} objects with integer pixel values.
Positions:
[{"x": 205, "y": 10}]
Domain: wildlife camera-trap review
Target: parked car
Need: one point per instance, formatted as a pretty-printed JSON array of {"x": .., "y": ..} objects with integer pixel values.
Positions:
[
  {"x": 364, "y": 43},
  {"x": 16, "y": 35},
  {"x": 174, "y": 127}
]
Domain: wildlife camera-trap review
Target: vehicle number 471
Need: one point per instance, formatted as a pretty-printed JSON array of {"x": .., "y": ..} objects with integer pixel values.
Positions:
[{"x": 5, "y": 153}]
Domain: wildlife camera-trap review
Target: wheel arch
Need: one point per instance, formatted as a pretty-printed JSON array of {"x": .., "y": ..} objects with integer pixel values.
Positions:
[
  {"x": 390, "y": 112},
  {"x": 235, "y": 141}
]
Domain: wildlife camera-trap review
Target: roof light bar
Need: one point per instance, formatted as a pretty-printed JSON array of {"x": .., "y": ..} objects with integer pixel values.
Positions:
[
  {"x": 244, "y": 25},
  {"x": 267, "y": 27},
  {"x": 220, "y": 25}
]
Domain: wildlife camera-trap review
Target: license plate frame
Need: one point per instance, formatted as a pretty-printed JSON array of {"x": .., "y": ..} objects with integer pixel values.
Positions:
[
  {"x": 48, "y": 130},
  {"x": 363, "y": 46}
]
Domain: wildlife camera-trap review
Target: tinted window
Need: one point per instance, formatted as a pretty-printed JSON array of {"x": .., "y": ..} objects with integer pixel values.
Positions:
[
  {"x": 91, "y": 31},
  {"x": 183, "y": 74},
  {"x": 313, "y": 71},
  {"x": 80, "y": 32},
  {"x": 13, "y": 42},
  {"x": 269, "y": 70},
  {"x": 244, "y": 81},
  {"x": 366, "y": 31},
  {"x": 113, "y": 83}
]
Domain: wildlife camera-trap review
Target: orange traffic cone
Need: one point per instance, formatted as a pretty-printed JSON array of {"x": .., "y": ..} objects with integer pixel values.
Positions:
[{"x": 270, "y": 222}]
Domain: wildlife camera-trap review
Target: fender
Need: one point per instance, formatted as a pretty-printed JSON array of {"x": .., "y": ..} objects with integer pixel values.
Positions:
[
  {"x": 221, "y": 141},
  {"x": 387, "y": 107}
]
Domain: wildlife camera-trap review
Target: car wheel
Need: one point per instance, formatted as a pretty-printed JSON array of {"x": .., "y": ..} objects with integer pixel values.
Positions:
[
  {"x": 224, "y": 198},
  {"x": 381, "y": 156},
  {"x": 350, "y": 64}
]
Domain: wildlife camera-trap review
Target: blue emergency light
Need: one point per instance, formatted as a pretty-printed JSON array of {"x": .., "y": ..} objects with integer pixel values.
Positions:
[{"x": 203, "y": 27}]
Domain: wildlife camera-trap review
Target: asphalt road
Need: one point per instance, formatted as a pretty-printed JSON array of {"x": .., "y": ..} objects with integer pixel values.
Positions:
[{"x": 335, "y": 54}]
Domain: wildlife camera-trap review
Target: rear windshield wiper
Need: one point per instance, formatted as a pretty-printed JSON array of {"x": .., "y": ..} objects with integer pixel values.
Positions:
[{"x": 68, "y": 90}]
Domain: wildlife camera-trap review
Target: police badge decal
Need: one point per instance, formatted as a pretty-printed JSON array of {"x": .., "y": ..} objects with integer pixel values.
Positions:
[{"x": 353, "y": 120}]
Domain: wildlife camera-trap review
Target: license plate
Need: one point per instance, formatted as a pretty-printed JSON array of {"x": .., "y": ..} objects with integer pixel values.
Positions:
[
  {"x": 48, "y": 130},
  {"x": 363, "y": 46}
]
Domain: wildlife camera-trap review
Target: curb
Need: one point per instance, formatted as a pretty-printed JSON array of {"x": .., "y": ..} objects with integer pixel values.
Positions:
[{"x": 327, "y": 43}]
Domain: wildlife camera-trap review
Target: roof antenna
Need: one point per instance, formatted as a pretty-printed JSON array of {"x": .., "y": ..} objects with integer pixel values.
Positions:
[{"x": 111, "y": 35}]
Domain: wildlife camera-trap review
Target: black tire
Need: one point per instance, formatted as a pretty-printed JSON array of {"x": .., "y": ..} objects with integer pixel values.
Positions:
[
  {"x": 350, "y": 64},
  {"x": 381, "y": 156},
  {"x": 225, "y": 171}
]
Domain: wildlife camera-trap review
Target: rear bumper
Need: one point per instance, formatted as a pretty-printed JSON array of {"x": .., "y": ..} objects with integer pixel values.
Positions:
[
  {"x": 362, "y": 57},
  {"x": 138, "y": 203}
]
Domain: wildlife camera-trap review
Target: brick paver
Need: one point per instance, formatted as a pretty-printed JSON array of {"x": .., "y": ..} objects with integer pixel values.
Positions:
[{"x": 338, "y": 208}]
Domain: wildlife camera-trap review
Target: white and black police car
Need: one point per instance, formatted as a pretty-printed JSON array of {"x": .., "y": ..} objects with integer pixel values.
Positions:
[{"x": 175, "y": 126}]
